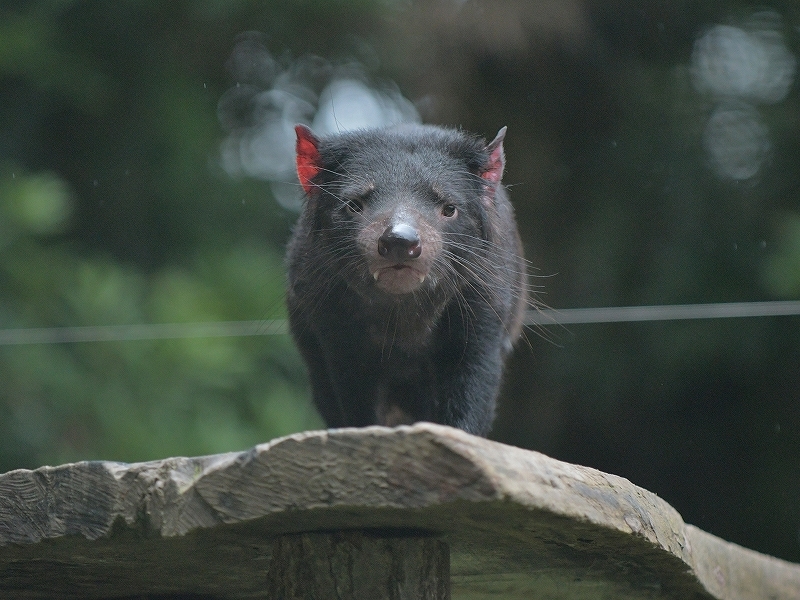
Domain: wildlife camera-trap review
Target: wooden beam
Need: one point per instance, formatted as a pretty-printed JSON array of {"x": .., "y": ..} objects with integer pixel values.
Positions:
[{"x": 241, "y": 525}]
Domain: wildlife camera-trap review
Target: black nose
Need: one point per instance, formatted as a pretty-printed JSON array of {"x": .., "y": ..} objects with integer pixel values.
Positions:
[{"x": 400, "y": 243}]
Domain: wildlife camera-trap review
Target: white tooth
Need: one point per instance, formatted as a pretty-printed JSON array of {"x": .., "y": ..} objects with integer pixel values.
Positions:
[
  {"x": 421, "y": 278},
  {"x": 375, "y": 275}
]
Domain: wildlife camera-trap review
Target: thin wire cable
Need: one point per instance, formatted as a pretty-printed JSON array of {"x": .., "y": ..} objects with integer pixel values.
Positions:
[
  {"x": 543, "y": 317},
  {"x": 144, "y": 331},
  {"x": 670, "y": 312}
]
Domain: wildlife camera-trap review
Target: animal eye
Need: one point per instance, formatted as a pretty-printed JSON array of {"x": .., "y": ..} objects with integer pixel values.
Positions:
[
  {"x": 354, "y": 205},
  {"x": 449, "y": 210}
]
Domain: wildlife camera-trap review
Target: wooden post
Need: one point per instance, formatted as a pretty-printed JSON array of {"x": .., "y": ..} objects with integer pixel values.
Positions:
[{"x": 359, "y": 565}]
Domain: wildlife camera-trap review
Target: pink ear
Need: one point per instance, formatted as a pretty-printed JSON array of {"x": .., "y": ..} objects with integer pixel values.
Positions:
[
  {"x": 493, "y": 172},
  {"x": 307, "y": 159}
]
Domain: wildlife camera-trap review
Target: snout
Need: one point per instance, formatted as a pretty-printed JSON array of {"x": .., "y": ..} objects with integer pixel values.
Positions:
[
  {"x": 400, "y": 246},
  {"x": 400, "y": 243},
  {"x": 399, "y": 270}
]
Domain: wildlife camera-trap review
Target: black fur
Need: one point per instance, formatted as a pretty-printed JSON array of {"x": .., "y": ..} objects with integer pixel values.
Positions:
[{"x": 378, "y": 354}]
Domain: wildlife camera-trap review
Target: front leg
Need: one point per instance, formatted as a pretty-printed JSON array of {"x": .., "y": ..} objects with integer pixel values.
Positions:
[
  {"x": 345, "y": 380},
  {"x": 470, "y": 396},
  {"x": 470, "y": 373},
  {"x": 327, "y": 401}
]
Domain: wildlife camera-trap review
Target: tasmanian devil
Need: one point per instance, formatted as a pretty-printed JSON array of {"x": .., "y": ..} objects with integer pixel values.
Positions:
[{"x": 407, "y": 284}]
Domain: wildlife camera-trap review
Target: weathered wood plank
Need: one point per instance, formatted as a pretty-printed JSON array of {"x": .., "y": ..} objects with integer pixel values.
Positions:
[{"x": 518, "y": 524}]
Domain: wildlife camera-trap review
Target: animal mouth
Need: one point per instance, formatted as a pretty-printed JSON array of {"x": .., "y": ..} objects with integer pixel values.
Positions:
[{"x": 399, "y": 278}]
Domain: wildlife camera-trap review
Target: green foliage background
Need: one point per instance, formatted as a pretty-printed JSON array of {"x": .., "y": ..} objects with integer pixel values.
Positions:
[{"x": 114, "y": 210}]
